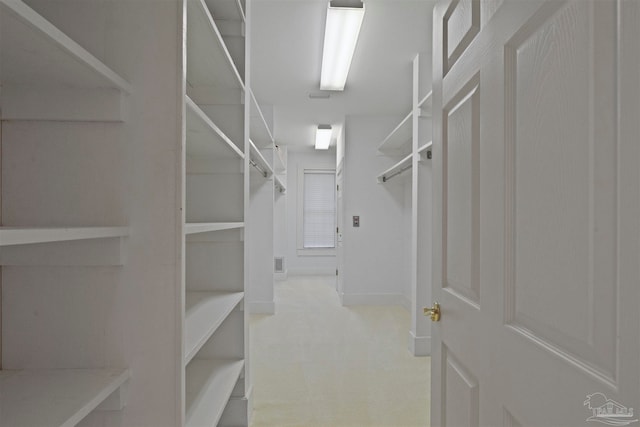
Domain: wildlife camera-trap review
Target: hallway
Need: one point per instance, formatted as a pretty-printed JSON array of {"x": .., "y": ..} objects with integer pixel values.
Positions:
[{"x": 316, "y": 363}]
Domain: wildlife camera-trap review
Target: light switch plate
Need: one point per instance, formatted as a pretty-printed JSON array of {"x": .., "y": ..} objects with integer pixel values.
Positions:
[{"x": 356, "y": 221}]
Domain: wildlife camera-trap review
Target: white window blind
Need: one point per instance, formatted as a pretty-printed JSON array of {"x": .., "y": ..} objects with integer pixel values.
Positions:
[{"x": 319, "y": 209}]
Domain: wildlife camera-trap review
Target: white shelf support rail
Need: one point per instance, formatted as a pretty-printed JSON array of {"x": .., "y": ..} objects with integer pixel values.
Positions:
[
  {"x": 195, "y": 113},
  {"x": 241, "y": 10},
  {"x": 261, "y": 130}
]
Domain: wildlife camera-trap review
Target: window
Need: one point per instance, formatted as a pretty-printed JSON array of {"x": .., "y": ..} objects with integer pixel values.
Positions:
[{"x": 319, "y": 209}]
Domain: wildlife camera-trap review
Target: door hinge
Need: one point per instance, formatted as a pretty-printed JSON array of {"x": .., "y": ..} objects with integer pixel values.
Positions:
[
  {"x": 337, "y": 230},
  {"x": 336, "y": 271}
]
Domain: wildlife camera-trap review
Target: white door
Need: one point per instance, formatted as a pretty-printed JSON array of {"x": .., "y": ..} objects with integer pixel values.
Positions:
[{"x": 536, "y": 261}]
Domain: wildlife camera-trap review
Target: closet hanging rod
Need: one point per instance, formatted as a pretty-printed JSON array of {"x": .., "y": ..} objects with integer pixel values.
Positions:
[
  {"x": 386, "y": 178},
  {"x": 257, "y": 166}
]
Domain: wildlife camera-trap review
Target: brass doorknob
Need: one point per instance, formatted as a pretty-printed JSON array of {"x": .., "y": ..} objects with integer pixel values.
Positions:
[{"x": 433, "y": 312}]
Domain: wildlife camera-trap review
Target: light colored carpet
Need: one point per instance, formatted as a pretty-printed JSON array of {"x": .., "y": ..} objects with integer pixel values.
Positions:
[{"x": 316, "y": 363}]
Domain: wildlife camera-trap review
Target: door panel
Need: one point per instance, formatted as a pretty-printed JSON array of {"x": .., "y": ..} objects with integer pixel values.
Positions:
[
  {"x": 487, "y": 9},
  {"x": 461, "y": 24},
  {"x": 509, "y": 420},
  {"x": 462, "y": 399},
  {"x": 536, "y": 222},
  {"x": 562, "y": 184},
  {"x": 460, "y": 146}
]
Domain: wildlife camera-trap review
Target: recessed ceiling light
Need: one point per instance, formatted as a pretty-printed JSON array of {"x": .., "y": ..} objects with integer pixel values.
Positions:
[
  {"x": 323, "y": 137},
  {"x": 340, "y": 38}
]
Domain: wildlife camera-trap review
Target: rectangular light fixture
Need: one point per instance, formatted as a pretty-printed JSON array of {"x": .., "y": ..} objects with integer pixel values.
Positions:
[
  {"x": 323, "y": 137},
  {"x": 340, "y": 38}
]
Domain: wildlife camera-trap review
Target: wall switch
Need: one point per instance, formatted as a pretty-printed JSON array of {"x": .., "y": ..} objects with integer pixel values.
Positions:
[{"x": 356, "y": 221}]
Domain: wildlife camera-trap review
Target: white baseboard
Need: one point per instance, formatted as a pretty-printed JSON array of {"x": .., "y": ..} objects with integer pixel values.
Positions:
[
  {"x": 239, "y": 411},
  {"x": 311, "y": 272},
  {"x": 374, "y": 299},
  {"x": 280, "y": 277},
  {"x": 419, "y": 346},
  {"x": 249, "y": 397},
  {"x": 341, "y": 296},
  {"x": 262, "y": 307}
]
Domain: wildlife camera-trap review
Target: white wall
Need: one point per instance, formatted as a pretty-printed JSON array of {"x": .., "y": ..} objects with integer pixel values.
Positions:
[
  {"x": 340, "y": 145},
  {"x": 303, "y": 265},
  {"x": 280, "y": 242},
  {"x": 420, "y": 333},
  {"x": 260, "y": 229},
  {"x": 406, "y": 180},
  {"x": 340, "y": 142},
  {"x": 375, "y": 253}
]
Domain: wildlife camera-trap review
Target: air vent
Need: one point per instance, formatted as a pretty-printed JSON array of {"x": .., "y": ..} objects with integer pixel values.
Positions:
[
  {"x": 347, "y": 3},
  {"x": 278, "y": 264},
  {"x": 319, "y": 95}
]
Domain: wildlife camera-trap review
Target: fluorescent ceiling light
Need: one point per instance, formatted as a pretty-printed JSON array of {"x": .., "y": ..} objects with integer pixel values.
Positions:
[
  {"x": 323, "y": 137},
  {"x": 340, "y": 38}
]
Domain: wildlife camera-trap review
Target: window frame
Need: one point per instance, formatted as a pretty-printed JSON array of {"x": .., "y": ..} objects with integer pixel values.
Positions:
[{"x": 301, "y": 250}]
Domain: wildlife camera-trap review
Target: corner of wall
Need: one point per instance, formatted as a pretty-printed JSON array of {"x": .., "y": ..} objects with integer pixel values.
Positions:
[
  {"x": 419, "y": 346},
  {"x": 262, "y": 307}
]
